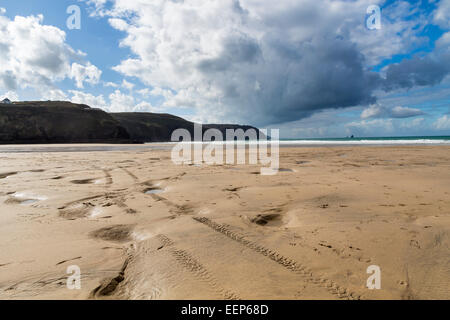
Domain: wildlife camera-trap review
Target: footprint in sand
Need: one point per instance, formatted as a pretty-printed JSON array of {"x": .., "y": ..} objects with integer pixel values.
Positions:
[
  {"x": 109, "y": 287},
  {"x": 233, "y": 189},
  {"x": 7, "y": 174},
  {"x": 68, "y": 260},
  {"x": 286, "y": 170},
  {"x": 117, "y": 233},
  {"x": 78, "y": 210},
  {"x": 266, "y": 219},
  {"x": 83, "y": 181}
]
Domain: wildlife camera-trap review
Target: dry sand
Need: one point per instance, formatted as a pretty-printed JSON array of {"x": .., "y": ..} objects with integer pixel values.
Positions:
[{"x": 141, "y": 227}]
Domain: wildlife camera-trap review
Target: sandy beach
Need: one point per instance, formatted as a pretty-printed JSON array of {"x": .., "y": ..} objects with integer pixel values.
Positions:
[{"x": 140, "y": 227}]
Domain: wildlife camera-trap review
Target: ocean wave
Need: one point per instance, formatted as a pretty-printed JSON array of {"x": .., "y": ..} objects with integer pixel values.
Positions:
[
  {"x": 366, "y": 142},
  {"x": 319, "y": 142}
]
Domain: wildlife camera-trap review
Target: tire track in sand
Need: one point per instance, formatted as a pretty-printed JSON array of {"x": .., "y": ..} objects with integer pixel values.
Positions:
[
  {"x": 195, "y": 267},
  {"x": 129, "y": 173},
  {"x": 108, "y": 177},
  {"x": 436, "y": 284},
  {"x": 292, "y": 265}
]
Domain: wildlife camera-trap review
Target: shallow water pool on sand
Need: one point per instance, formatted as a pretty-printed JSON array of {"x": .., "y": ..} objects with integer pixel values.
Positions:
[{"x": 154, "y": 191}]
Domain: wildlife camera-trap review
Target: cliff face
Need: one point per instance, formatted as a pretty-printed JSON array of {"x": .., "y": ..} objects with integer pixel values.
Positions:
[
  {"x": 58, "y": 122},
  {"x": 65, "y": 122},
  {"x": 152, "y": 127}
]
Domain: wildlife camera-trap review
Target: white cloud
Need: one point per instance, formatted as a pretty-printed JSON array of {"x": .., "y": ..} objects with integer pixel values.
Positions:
[
  {"x": 398, "y": 33},
  {"x": 413, "y": 124},
  {"x": 115, "y": 102},
  {"x": 245, "y": 59},
  {"x": 372, "y": 111},
  {"x": 11, "y": 95},
  {"x": 442, "y": 123},
  {"x": 405, "y": 112},
  {"x": 127, "y": 85},
  {"x": 378, "y": 111},
  {"x": 368, "y": 127},
  {"x": 146, "y": 107},
  {"x": 111, "y": 85},
  {"x": 34, "y": 55},
  {"x": 54, "y": 95},
  {"x": 2, "y": 10},
  {"x": 88, "y": 99},
  {"x": 89, "y": 73},
  {"x": 118, "y": 24},
  {"x": 98, "y": 9},
  {"x": 144, "y": 92},
  {"x": 120, "y": 102},
  {"x": 442, "y": 14},
  {"x": 159, "y": 92},
  {"x": 444, "y": 41}
]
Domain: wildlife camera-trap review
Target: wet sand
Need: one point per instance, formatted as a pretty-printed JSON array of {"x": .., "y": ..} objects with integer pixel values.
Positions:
[{"x": 141, "y": 227}]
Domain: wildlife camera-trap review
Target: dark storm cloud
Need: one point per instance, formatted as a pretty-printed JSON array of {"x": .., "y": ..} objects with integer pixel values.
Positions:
[
  {"x": 320, "y": 74},
  {"x": 263, "y": 63},
  {"x": 419, "y": 71},
  {"x": 237, "y": 50},
  {"x": 8, "y": 81}
]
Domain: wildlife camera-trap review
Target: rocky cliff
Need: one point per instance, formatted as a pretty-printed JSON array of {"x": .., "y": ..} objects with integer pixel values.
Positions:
[
  {"x": 153, "y": 127},
  {"x": 58, "y": 122},
  {"x": 65, "y": 122}
]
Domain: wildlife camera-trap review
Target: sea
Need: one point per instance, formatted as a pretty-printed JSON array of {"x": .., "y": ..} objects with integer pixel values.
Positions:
[
  {"x": 381, "y": 141},
  {"x": 378, "y": 141}
]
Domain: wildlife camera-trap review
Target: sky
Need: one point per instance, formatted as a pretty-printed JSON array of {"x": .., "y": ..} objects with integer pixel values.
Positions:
[{"x": 311, "y": 68}]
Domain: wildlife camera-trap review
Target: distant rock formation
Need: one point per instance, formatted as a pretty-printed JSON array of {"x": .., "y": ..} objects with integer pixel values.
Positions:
[
  {"x": 154, "y": 127},
  {"x": 65, "y": 122}
]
